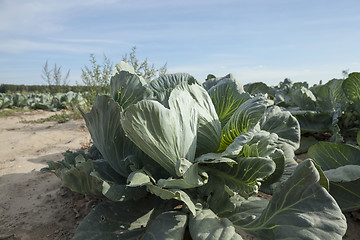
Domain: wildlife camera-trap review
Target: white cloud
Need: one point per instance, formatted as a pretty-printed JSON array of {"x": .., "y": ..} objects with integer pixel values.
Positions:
[
  {"x": 19, "y": 17},
  {"x": 48, "y": 16},
  {"x": 332, "y": 20},
  {"x": 87, "y": 40},
  {"x": 42, "y": 16},
  {"x": 17, "y": 46}
]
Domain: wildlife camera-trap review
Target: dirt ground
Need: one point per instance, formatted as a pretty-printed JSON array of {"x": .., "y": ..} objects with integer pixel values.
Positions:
[{"x": 33, "y": 205}]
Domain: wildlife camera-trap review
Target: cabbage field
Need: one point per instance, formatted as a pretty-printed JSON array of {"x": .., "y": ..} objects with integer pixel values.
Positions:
[
  {"x": 41, "y": 100},
  {"x": 179, "y": 159}
]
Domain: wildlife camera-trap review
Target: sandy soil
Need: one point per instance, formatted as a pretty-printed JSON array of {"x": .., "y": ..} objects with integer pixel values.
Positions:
[{"x": 33, "y": 205}]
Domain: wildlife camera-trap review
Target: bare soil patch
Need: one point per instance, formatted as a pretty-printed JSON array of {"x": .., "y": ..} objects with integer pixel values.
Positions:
[{"x": 33, "y": 205}]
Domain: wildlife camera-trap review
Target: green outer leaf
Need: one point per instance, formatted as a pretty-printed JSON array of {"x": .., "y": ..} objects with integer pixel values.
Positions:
[
  {"x": 179, "y": 183},
  {"x": 207, "y": 226},
  {"x": 166, "y": 135},
  {"x": 346, "y": 194},
  {"x": 227, "y": 96},
  {"x": 290, "y": 165},
  {"x": 332, "y": 155},
  {"x": 127, "y": 88},
  {"x": 351, "y": 87},
  {"x": 256, "y": 88},
  {"x": 304, "y": 99},
  {"x": 162, "y": 86},
  {"x": 286, "y": 85},
  {"x": 345, "y": 186},
  {"x": 279, "y": 160},
  {"x": 323, "y": 181},
  {"x": 138, "y": 178},
  {"x": 331, "y": 96},
  {"x": 122, "y": 66},
  {"x": 211, "y": 82},
  {"x": 300, "y": 208},
  {"x": 305, "y": 144},
  {"x": 345, "y": 173},
  {"x": 358, "y": 138},
  {"x": 168, "y": 194},
  {"x": 76, "y": 177},
  {"x": 209, "y": 131},
  {"x": 243, "y": 119},
  {"x": 121, "y": 192},
  {"x": 284, "y": 125},
  {"x": 182, "y": 166},
  {"x": 244, "y": 178},
  {"x": 191, "y": 178},
  {"x": 75, "y": 172},
  {"x": 245, "y": 210},
  {"x": 217, "y": 195},
  {"x": 167, "y": 226},
  {"x": 234, "y": 149},
  {"x": 263, "y": 144},
  {"x": 114, "y": 186},
  {"x": 106, "y": 172},
  {"x": 103, "y": 123},
  {"x": 281, "y": 98},
  {"x": 117, "y": 220},
  {"x": 210, "y": 158},
  {"x": 311, "y": 121}
]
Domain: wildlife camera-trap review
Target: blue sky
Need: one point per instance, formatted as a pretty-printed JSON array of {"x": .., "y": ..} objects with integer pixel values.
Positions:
[{"x": 255, "y": 40}]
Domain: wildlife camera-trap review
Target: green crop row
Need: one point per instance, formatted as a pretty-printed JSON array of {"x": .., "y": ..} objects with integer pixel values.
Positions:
[
  {"x": 12, "y": 88},
  {"x": 41, "y": 100}
]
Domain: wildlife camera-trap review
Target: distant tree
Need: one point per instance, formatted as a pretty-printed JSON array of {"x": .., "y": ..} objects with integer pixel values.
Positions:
[
  {"x": 345, "y": 73},
  {"x": 54, "y": 77},
  {"x": 210, "y": 76},
  {"x": 144, "y": 68},
  {"x": 97, "y": 76}
]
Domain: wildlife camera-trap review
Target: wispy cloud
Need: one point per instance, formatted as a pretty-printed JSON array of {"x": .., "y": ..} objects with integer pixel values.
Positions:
[
  {"x": 86, "y": 40},
  {"x": 43, "y": 16},
  {"x": 332, "y": 20},
  {"x": 18, "y": 46},
  {"x": 19, "y": 17}
]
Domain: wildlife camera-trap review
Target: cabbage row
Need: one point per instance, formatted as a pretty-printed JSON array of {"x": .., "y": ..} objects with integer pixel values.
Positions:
[
  {"x": 328, "y": 111},
  {"x": 182, "y": 160},
  {"x": 329, "y": 117},
  {"x": 41, "y": 101}
]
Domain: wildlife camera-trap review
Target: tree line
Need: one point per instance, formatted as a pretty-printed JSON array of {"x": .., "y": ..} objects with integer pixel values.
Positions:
[
  {"x": 13, "y": 88},
  {"x": 95, "y": 78}
]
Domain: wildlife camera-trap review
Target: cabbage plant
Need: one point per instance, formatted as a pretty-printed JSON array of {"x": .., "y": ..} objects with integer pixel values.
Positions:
[
  {"x": 341, "y": 165},
  {"x": 329, "y": 111},
  {"x": 187, "y": 161}
]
